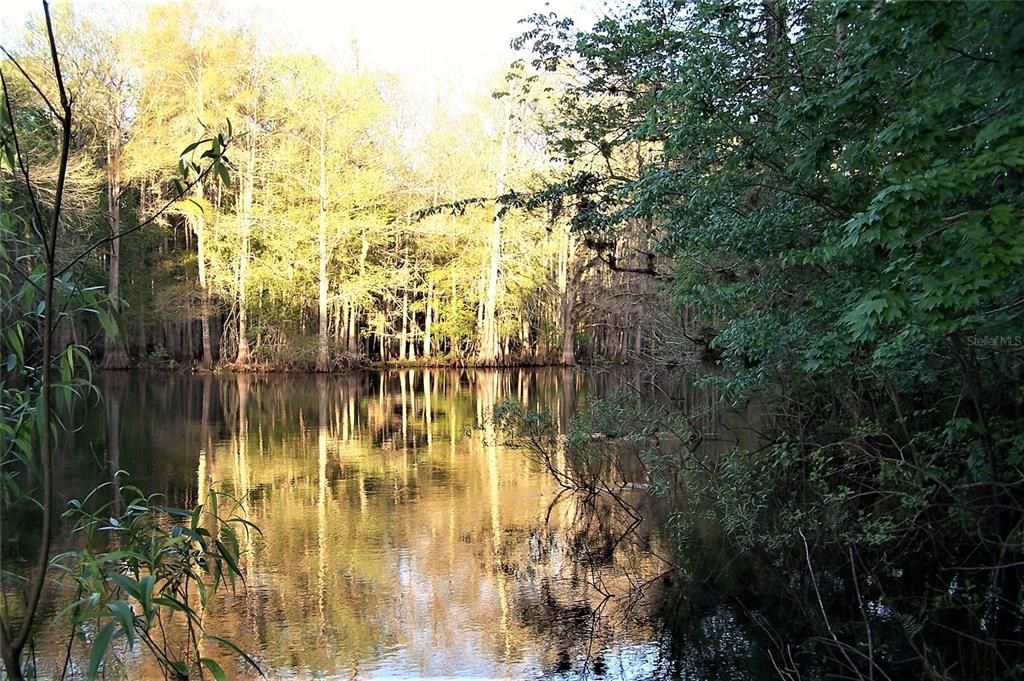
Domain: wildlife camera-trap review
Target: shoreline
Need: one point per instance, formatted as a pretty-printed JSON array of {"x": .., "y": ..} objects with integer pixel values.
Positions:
[{"x": 229, "y": 368}]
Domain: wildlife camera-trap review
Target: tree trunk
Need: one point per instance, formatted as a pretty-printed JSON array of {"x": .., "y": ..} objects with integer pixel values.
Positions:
[
  {"x": 244, "y": 357},
  {"x": 341, "y": 325},
  {"x": 321, "y": 349},
  {"x": 350, "y": 336},
  {"x": 404, "y": 337},
  {"x": 199, "y": 227},
  {"x": 353, "y": 337},
  {"x": 489, "y": 349},
  {"x": 142, "y": 339},
  {"x": 114, "y": 354},
  {"x": 567, "y": 299},
  {"x": 453, "y": 343},
  {"x": 427, "y": 321},
  {"x": 384, "y": 354}
]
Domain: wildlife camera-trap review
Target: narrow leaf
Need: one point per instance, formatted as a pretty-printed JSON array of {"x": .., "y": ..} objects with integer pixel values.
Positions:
[
  {"x": 231, "y": 646},
  {"x": 214, "y": 668},
  {"x": 99, "y": 650},
  {"x": 126, "y": 618}
]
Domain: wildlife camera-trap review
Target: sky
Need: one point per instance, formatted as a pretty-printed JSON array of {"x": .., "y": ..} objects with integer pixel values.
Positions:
[{"x": 447, "y": 43}]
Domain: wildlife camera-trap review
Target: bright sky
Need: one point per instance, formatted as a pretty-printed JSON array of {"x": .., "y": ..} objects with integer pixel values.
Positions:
[{"x": 435, "y": 41}]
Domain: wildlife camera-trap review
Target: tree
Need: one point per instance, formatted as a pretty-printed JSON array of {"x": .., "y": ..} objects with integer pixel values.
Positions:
[
  {"x": 334, "y": 131},
  {"x": 187, "y": 75},
  {"x": 835, "y": 183},
  {"x": 342, "y": 156},
  {"x": 97, "y": 79},
  {"x": 38, "y": 378}
]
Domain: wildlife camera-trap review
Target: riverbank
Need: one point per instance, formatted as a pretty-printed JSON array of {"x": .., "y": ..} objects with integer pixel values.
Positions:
[{"x": 351, "y": 363}]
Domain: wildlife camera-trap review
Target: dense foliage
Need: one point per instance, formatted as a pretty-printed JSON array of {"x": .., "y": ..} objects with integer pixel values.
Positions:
[
  {"x": 318, "y": 254},
  {"x": 840, "y": 188},
  {"x": 44, "y": 235}
]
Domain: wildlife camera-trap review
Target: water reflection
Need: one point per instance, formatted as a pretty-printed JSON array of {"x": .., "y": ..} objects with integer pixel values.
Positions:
[{"x": 401, "y": 538}]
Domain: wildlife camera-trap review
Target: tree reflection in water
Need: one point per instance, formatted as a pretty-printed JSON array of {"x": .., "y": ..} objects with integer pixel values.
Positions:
[{"x": 402, "y": 536}]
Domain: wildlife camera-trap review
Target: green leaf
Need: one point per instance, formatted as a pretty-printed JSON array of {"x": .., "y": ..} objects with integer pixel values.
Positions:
[
  {"x": 204, "y": 595},
  {"x": 99, "y": 650},
  {"x": 16, "y": 341},
  {"x": 128, "y": 585},
  {"x": 177, "y": 606},
  {"x": 197, "y": 513},
  {"x": 228, "y": 557},
  {"x": 248, "y": 525},
  {"x": 231, "y": 646},
  {"x": 222, "y": 173},
  {"x": 214, "y": 668},
  {"x": 174, "y": 511},
  {"x": 200, "y": 536},
  {"x": 190, "y": 148},
  {"x": 146, "y": 585},
  {"x": 123, "y": 612},
  {"x": 108, "y": 323}
]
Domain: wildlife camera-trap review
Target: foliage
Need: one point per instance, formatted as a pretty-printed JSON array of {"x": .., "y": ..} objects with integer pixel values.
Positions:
[
  {"x": 335, "y": 164},
  {"x": 602, "y": 447},
  {"x": 840, "y": 187},
  {"x": 159, "y": 359},
  {"x": 167, "y": 562},
  {"x": 44, "y": 293}
]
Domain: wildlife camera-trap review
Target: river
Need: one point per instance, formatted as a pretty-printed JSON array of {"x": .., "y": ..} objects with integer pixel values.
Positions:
[{"x": 402, "y": 537}]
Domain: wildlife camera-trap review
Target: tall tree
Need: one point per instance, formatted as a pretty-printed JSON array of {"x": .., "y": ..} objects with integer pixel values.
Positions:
[{"x": 187, "y": 73}]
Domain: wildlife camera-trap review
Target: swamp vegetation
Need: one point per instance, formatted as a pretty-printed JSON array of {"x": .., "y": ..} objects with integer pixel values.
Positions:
[{"x": 807, "y": 212}]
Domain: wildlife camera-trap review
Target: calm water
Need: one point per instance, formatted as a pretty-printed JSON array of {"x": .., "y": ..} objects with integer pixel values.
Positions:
[{"x": 401, "y": 537}]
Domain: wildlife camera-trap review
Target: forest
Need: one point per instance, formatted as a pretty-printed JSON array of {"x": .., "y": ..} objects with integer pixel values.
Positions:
[
  {"x": 317, "y": 250},
  {"x": 813, "y": 208}
]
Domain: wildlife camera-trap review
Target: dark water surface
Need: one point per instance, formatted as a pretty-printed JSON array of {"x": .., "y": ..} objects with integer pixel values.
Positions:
[{"x": 401, "y": 537}]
